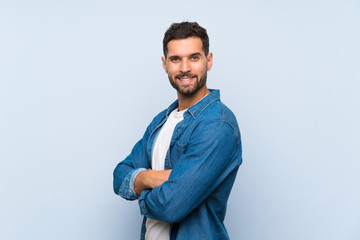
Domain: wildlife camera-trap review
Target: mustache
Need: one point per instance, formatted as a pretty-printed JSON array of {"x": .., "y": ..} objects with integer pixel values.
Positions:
[{"x": 189, "y": 75}]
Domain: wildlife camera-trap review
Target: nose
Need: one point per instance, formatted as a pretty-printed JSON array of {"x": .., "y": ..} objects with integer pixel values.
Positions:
[{"x": 185, "y": 66}]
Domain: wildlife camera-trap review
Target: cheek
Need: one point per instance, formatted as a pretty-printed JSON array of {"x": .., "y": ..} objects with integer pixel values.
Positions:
[
  {"x": 171, "y": 70},
  {"x": 201, "y": 68}
]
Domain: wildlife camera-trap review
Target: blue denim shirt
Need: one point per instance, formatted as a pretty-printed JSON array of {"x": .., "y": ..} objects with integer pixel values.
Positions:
[{"x": 204, "y": 155}]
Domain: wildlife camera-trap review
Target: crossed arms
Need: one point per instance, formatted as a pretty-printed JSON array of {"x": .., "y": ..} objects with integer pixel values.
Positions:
[
  {"x": 150, "y": 179},
  {"x": 211, "y": 156}
]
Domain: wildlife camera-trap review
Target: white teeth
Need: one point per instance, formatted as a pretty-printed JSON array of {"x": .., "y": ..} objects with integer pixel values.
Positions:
[{"x": 185, "y": 79}]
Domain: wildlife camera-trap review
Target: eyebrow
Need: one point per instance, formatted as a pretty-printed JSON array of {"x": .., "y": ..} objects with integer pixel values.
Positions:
[
  {"x": 174, "y": 56},
  {"x": 191, "y": 55},
  {"x": 195, "y": 54}
]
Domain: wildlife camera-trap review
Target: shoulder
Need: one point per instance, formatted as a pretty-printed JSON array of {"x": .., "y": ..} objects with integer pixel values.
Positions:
[
  {"x": 157, "y": 119},
  {"x": 219, "y": 117}
]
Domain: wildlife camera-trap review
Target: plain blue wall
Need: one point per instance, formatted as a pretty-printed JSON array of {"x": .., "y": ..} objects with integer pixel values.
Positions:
[{"x": 80, "y": 81}]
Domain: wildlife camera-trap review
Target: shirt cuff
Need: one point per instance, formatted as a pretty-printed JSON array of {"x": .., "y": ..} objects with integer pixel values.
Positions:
[
  {"x": 133, "y": 177},
  {"x": 143, "y": 208}
]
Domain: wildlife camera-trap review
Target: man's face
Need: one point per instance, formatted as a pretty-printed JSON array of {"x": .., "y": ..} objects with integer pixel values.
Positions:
[{"x": 187, "y": 65}]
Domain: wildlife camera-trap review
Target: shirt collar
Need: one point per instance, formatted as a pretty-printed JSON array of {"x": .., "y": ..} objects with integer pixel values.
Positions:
[{"x": 198, "y": 107}]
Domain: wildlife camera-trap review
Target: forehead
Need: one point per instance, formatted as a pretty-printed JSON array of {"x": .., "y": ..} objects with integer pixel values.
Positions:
[{"x": 186, "y": 46}]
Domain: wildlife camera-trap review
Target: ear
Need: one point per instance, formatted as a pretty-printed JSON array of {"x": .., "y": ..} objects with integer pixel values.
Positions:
[
  {"x": 210, "y": 61},
  {"x": 164, "y": 63}
]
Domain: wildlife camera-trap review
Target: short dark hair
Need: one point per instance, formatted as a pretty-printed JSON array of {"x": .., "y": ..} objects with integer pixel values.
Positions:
[{"x": 184, "y": 30}]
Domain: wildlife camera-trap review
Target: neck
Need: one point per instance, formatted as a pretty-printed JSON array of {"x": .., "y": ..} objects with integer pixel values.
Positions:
[{"x": 186, "y": 101}]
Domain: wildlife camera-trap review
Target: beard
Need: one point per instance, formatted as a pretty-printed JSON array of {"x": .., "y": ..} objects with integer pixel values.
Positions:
[{"x": 188, "y": 89}]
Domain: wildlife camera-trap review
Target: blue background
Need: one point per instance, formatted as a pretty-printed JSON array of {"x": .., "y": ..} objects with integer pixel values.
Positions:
[{"x": 80, "y": 81}]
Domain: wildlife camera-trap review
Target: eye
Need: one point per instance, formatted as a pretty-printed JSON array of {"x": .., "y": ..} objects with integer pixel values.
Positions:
[
  {"x": 196, "y": 57},
  {"x": 174, "y": 59}
]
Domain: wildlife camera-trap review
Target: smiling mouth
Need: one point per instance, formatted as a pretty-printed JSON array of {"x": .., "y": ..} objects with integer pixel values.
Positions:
[{"x": 185, "y": 77}]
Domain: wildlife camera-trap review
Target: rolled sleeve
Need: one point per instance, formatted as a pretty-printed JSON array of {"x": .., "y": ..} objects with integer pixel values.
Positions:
[
  {"x": 127, "y": 190},
  {"x": 143, "y": 208},
  {"x": 132, "y": 179}
]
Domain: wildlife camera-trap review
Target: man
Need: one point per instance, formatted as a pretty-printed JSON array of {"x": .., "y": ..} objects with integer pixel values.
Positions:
[{"x": 183, "y": 168}]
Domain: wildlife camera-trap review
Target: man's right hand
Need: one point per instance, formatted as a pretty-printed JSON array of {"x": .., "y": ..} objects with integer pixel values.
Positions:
[{"x": 150, "y": 179}]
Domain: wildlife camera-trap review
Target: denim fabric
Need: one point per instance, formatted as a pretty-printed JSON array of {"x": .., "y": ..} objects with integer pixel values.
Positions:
[{"x": 204, "y": 155}]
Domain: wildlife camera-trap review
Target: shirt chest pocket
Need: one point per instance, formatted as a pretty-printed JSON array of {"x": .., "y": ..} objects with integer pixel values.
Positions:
[{"x": 176, "y": 152}]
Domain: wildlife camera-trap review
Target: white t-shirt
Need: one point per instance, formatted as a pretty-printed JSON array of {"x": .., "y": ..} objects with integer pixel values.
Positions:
[{"x": 158, "y": 230}]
